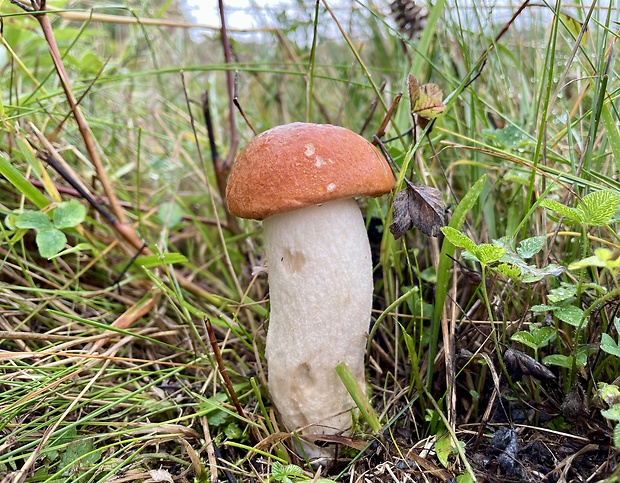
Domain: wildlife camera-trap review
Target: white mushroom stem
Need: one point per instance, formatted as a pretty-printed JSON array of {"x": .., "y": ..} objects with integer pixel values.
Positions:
[{"x": 320, "y": 286}]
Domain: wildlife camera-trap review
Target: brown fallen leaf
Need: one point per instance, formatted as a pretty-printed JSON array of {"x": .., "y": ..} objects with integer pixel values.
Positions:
[{"x": 418, "y": 206}]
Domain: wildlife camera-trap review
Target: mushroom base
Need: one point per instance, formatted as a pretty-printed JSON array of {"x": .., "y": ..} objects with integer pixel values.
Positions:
[{"x": 320, "y": 285}]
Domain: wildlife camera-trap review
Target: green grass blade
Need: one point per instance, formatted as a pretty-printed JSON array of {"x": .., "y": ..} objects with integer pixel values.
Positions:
[
  {"x": 22, "y": 184},
  {"x": 360, "y": 399},
  {"x": 445, "y": 263}
]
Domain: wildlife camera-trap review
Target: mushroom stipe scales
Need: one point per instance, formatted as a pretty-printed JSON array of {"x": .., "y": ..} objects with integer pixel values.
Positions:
[{"x": 302, "y": 180}]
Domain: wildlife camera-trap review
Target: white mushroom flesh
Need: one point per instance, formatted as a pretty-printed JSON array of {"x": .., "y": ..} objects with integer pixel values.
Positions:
[{"x": 320, "y": 286}]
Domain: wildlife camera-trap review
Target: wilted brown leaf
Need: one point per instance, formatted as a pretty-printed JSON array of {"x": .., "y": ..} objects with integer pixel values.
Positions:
[{"x": 418, "y": 206}]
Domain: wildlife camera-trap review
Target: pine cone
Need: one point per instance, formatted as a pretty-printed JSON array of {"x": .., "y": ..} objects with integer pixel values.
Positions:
[{"x": 410, "y": 17}]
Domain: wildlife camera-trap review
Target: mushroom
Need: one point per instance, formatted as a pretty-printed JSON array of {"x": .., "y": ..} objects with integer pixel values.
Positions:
[{"x": 301, "y": 179}]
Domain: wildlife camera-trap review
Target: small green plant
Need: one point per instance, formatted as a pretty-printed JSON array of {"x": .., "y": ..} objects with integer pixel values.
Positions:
[
  {"x": 595, "y": 209},
  {"x": 610, "y": 394},
  {"x": 536, "y": 338},
  {"x": 50, "y": 237},
  {"x": 291, "y": 474},
  {"x": 608, "y": 344},
  {"x": 500, "y": 256}
]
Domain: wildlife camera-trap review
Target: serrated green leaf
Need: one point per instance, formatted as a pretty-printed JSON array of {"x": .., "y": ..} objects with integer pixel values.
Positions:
[
  {"x": 508, "y": 270},
  {"x": 571, "y": 315},
  {"x": 33, "y": 220},
  {"x": 525, "y": 338},
  {"x": 293, "y": 470},
  {"x": 597, "y": 208},
  {"x": 531, "y": 246},
  {"x": 50, "y": 241},
  {"x": 488, "y": 253},
  {"x": 69, "y": 214},
  {"x": 612, "y": 413},
  {"x": 609, "y": 345},
  {"x": 277, "y": 469},
  {"x": 567, "y": 212},
  {"x": 459, "y": 239}
]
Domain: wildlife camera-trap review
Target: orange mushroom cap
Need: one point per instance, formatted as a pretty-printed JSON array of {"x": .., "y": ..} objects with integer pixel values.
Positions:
[{"x": 301, "y": 164}]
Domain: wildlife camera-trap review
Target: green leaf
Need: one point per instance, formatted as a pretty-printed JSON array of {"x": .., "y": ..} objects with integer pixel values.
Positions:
[
  {"x": 511, "y": 271},
  {"x": 511, "y": 137},
  {"x": 609, "y": 345},
  {"x": 571, "y": 315},
  {"x": 580, "y": 359},
  {"x": 542, "y": 308},
  {"x": 465, "y": 478},
  {"x": 603, "y": 257},
  {"x": 459, "y": 239},
  {"x": 50, "y": 241},
  {"x": 233, "y": 431},
  {"x": 33, "y": 220},
  {"x": 612, "y": 413},
  {"x": 69, "y": 214},
  {"x": 597, "y": 208},
  {"x": 617, "y": 436},
  {"x": 559, "y": 360},
  {"x": 569, "y": 213},
  {"x": 531, "y": 246},
  {"x": 443, "y": 449},
  {"x": 277, "y": 469},
  {"x": 525, "y": 338},
  {"x": 488, "y": 253},
  {"x": 610, "y": 393},
  {"x": 544, "y": 335},
  {"x": 561, "y": 293},
  {"x": 90, "y": 64},
  {"x": 293, "y": 470},
  {"x": 171, "y": 214},
  {"x": 592, "y": 261},
  {"x": 429, "y": 101},
  {"x": 80, "y": 453}
]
